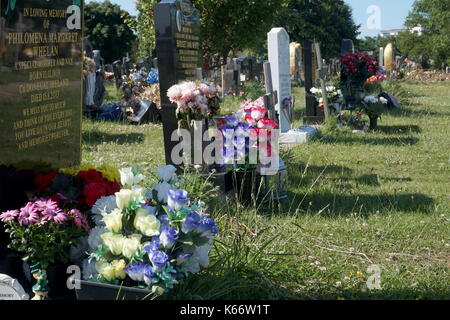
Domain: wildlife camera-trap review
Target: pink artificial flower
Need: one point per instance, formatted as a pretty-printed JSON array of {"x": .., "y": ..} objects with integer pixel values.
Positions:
[
  {"x": 258, "y": 113},
  {"x": 174, "y": 93},
  {"x": 187, "y": 90},
  {"x": 56, "y": 215},
  {"x": 8, "y": 216},
  {"x": 44, "y": 204},
  {"x": 29, "y": 214},
  {"x": 80, "y": 219},
  {"x": 267, "y": 124}
]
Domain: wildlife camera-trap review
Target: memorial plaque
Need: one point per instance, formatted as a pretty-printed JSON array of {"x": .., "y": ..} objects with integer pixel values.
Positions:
[
  {"x": 178, "y": 49},
  {"x": 40, "y": 82}
]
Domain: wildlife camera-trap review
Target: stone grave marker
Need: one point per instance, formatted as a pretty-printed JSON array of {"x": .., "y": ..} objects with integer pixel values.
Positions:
[
  {"x": 389, "y": 61},
  {"x": 381, "y": 57},
  {"x": 41, "y": 62},
  {"x": 313, "y": 113},
  {"x": 177, "y": 24},
  {"x": 279, "y": 58},
  {"x": 347, "y": 46}
]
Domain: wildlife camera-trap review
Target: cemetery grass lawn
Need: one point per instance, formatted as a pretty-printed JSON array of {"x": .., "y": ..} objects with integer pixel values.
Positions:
[{"x": 355, "y": 201}]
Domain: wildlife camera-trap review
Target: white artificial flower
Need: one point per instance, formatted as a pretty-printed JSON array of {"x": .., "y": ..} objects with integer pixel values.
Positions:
[
  {"x": 127, "y": 177},
  {"x": 370, "y": 99},
  {"x": 95, "y": 239},
  {"x": 104, "y": 205},
  {"x": 166, "y": 173},
  {"x": 131, "y": 245},
  {"x": 202, "y": 255},
  {"x": 163, "y": 191},
  {"x": 383, "y": 100},
  {"x": 147, "y": 223}
]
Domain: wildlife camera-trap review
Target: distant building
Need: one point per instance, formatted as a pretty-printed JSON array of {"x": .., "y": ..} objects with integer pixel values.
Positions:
[
  {"x": 394, "y": 32},
  {"x": 390, "y": 32}
]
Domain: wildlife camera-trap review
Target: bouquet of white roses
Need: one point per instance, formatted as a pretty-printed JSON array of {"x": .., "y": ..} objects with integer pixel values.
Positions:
[
  {"x": 149, "y": 238},
  {"x": 333, "y": 94}
]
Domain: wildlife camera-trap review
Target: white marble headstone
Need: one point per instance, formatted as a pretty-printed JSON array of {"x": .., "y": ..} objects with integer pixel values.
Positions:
[{"x": 279, "y": 58}]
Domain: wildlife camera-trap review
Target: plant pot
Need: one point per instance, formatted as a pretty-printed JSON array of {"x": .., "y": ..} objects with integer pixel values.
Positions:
[
  {"x": 373, "y": 123},
  {"x": 245, "y": 185},
  {"x": 100, "y": 291}
]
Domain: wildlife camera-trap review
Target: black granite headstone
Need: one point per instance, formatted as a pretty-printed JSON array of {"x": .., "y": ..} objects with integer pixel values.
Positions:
[
  {"x": 312, "y": 115},
  {"x": 40, "y": 83},
  {"x": 347, "y": 46},
  {"x": 177, "y": 25}
]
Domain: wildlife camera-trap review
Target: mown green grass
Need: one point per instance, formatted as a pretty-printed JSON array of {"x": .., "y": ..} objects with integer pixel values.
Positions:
[{"x": 355, "y": 200}]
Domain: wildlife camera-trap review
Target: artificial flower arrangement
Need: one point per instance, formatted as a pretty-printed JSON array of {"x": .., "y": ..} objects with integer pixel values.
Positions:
[
  {"x": 44, "y": 232},
  {"x": 352, "y": 120},
  {"x": 77, "y": 188},
  {"x": 374, "y": 107},
  {"x": 242, "y": 131},
  {"x": 144, "y": 85},
  {"x": 334, "y": 95},
  {"x": 373, "y": 84},
  {"x": 359, "y": 66},
  {"x": 195, "y": 101},
  {"x": 150, "y": 239}
]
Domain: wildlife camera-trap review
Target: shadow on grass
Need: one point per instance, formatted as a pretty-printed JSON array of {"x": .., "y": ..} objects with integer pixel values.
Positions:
[
  {"x": 97, "y": 137},
  {"x": 406, "y": 129},
  {"x": 406, "y": 112},
  {"x": 334, "y": 204},
  {"x": 369, "y": 140}
]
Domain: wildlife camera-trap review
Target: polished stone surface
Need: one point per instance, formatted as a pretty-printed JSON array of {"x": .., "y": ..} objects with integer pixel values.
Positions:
[{"x": 40, "y": 83}]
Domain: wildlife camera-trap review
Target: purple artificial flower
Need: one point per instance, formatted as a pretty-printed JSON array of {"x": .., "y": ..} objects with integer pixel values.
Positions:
[
  {"x": 183, "y": 258},
  {"x": 227, "y": 131},
  {"x": 158, "y": 259},
  {"x": 56, "y": 215},
  {"x": 153, "y": 246},
  {"x": 169, "y": 237},
  {"x": 191, "y": 222},
  {"x": 148, "y": 275},
  {"x": 242, "y": 129},
  {"x": 29, "y": 214},
  {"x": 207, "y": 227},
  {"x": 137, "y": 271},
  {"x": 177, "y": 199},
  {"x": 8, "y": 216},
  {"x": 232, "y": 120}
]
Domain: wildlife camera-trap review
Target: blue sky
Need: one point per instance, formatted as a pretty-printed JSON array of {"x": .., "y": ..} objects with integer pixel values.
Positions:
[{"x": 392, "y": 12}]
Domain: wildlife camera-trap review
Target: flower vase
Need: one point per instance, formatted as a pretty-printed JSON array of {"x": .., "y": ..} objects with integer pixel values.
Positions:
[
  {"x": 245, "y": 186},
  {"x": 198, "y": 128},
  {"x": 373, "y": 122}
]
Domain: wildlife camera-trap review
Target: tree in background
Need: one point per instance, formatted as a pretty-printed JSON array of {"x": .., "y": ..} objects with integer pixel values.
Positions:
[
  {"x": 325, "y": 21},
  {"x": 234, "y": 25},
  {"x": 145, "y": 27},
  {"x": 375, "y": 43},
  {"x": 434, "y": 43},
  {"x": 106, "y": 29}
]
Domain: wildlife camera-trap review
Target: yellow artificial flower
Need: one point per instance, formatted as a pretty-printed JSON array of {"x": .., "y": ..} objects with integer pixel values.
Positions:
[
  {"x": 114, "y": 242},
  {"x": 126, "y": 196},
  {"x": 118, "y": 266},
  {"x": 131, "y": 245},
  {"x": 147, "y": 223},
  {"x": 113, "y": 221},
  {"x": 106, "y": 270}
]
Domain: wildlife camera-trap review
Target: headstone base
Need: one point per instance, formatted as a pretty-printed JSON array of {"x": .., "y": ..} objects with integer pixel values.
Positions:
[{"x": 300, "y": 135}]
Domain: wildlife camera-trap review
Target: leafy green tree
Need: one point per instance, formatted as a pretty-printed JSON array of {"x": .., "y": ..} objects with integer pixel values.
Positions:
[
  {"x": 434, "y": 43},
  {"x": 325, "y": 21},
  {"x": 234, "y": 25},
  {"x": 144, "y": 27},
  {"x": 375, "y": 43},
  {"x": 106, "y": 29}
]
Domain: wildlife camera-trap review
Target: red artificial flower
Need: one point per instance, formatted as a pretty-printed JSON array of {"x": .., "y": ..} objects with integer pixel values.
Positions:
[
  {"x": 94, "y": 191},
  {"x": 267, "y": 124},
  {"x": 90, "y": 176},
  {"x": 44, "y": 181},
  {"x": 250, "y": 121}
]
